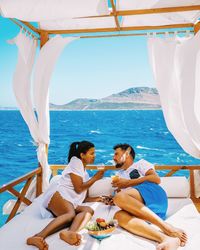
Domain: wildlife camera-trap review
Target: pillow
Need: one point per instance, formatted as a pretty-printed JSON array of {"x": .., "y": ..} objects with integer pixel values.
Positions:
[
  {"x": 176, "y": 186},
  {"x": 101, "y": 187}
]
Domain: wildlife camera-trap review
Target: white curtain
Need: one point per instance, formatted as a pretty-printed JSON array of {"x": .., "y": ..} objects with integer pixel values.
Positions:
[
  {"x": 22, "y": 80},
  {"x": 43, "y": 70},
  {"x": 175, "y": 64},
  {"x": 38, "y": 126}
]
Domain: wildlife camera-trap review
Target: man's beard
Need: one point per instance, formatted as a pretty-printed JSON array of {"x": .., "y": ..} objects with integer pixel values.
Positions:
[
  {"x": 122, "y": 161},
  {"x": 119, "y": 165}
]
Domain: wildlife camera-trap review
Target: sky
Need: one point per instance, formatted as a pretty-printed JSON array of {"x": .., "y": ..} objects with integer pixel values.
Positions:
[{"x": 87, "y": 68}]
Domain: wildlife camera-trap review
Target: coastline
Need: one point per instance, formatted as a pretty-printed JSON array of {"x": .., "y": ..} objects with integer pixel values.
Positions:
[{"x": 16, "y": 109}]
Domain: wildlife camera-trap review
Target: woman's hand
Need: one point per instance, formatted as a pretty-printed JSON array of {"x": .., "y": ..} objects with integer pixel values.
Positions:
[
  {"x": 120, "y": 183},
  {"x": 99, "y": 175},
  {"x": 107, "y": 200}
]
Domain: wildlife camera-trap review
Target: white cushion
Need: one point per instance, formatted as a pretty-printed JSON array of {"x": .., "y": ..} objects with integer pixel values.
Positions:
[
  {"x": 101, "y": 187},
  {"x": 176, "y": 186}
]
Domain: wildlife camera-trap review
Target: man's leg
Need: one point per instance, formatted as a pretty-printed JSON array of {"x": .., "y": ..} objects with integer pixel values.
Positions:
[
  {"x": 132, "y": 202},
  {"x": 140, "y": 227}
]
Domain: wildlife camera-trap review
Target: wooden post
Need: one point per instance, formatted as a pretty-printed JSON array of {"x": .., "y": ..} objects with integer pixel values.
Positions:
[
  {"x": 196, "y": 27},
  {"x": 44, "y": 37}
]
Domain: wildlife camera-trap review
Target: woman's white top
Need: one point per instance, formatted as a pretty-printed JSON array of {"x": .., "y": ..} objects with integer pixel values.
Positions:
[{"x": 65, "y": 187}]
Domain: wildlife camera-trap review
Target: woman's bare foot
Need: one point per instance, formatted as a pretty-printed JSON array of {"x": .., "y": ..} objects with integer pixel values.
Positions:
[
  {"x": 176, "y": 232},
  {"x": 70, "y": 237},
  {"x": 38, "y": 242},
  {"x": 169, "y": 243}
]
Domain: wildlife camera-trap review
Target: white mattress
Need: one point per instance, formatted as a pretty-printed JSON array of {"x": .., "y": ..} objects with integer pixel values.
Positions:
[{"x": 181, "y": 212}]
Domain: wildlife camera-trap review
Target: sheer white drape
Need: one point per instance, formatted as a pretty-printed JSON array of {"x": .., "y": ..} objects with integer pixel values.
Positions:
[
  {"x": 175, "y": 64},
  {"x": 38, "y": 126},
  {"x": 43, "y": 70}
]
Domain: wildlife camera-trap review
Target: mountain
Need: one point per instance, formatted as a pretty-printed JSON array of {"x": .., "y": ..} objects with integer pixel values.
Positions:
[{"x": 132, "y": 98}]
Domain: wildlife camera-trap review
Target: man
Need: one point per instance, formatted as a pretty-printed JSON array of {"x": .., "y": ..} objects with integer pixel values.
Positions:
[{"x": 142, "y": 200}]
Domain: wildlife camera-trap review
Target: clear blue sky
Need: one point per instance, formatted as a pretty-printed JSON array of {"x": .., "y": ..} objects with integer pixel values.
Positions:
[{"x": 88, "y": 68}]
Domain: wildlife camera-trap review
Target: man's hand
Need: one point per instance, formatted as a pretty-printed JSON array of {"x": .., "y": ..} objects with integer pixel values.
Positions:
[{"x": 120, "y": 183}]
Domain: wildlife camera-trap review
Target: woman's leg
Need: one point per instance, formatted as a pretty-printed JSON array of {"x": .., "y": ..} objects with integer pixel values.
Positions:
[
  {"x": 132, "y": 202},
  {"x": 71, "y": 236},
  {"x": 140, "y": 227},
  {"x": 64, "y": 212}
]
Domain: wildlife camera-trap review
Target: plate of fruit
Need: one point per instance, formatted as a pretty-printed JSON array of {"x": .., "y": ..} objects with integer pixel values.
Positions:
[{"x": 100, "y": 228}]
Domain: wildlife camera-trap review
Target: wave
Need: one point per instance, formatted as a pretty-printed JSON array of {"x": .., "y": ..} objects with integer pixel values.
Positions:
[
  {"x": 100, "y": 150},
  {"x": 151, "y": 149},
  {"x": 110, "y": 162},
  {"x": 95, "y": 132}
]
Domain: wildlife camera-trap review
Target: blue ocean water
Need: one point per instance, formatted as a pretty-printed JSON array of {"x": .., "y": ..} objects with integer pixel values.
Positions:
[{"x": 144, "y": 130}]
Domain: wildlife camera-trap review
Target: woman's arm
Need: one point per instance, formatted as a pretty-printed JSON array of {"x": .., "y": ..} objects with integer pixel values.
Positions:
[
  {"x": 80, "y": 186},
  {"x": 150, "y": 175},
  {"x": 94, "y": 199}
]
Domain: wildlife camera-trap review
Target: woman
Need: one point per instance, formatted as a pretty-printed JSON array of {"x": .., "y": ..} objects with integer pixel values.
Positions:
[
  {"x": 143, "y": 200},
  {"x": 65, "y": 202}
]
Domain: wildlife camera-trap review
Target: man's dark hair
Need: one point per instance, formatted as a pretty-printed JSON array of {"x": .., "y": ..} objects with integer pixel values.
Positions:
[{"x": 125, "y": 146}]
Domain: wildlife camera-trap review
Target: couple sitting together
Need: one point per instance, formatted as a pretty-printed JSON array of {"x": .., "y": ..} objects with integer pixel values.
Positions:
[{"x": 141, "y": 200}]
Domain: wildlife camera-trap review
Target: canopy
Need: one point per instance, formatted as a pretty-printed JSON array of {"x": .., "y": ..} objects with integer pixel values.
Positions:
[
  {"x": 75, "y": 16},
  {"x": 95, "y": 14}
]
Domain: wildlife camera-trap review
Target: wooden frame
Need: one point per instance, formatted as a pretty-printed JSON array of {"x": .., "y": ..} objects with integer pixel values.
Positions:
[
  {"x": 21, "y": 195},
  {"x": 116, "y": 14}
]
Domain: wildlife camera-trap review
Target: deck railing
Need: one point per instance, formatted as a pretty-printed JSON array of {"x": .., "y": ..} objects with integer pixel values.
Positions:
[
  {"x": 9, "y": 187},
  {"x": 37, "y": 173},
  {"x": 172, "y": 170}
]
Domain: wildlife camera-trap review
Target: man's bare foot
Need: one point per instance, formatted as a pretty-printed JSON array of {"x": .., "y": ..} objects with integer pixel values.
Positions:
[
  {"x": 169, "y": 243},
  {"x": 70, "y": 237},
  {"x": 176, "y": 232},
  {"x": 38, "y": 242}
]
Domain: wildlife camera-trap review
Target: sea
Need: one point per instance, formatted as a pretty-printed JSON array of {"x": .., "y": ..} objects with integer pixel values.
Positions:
[{"x": 145, "y": 130}]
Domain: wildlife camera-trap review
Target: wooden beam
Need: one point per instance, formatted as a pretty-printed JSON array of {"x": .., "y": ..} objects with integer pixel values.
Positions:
[
  {"x": 30, "y": 26},
  {"x": 111, "y": 167},
  {"x": 115, "y": 14},
  {"x": 44, "y": 37},
  {"x": 192, "y": 185},
  {"x": 18, "y": 202},
  {"x": 18, "y": 195},
  {"x": 134, "y": 34},
  {"x": 19, "y": 180},
  {"x": 159, "y": 27},
  {"x": 23, "y": 27},
  {"x": 196, "y": 27},
  {"x": 170, "y": 173},
  {"x": 39, "y": 181},
  {"x": 131, "y": 28}
]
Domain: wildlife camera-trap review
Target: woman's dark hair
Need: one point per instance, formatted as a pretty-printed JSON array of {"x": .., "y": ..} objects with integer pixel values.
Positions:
[
  {"x": 124, "y": 147},
  {"x": 76, "y": 148}
]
